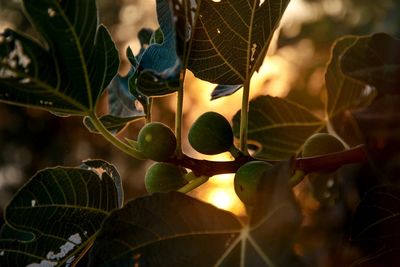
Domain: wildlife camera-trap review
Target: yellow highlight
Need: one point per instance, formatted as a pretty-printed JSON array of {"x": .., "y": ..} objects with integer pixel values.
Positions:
[
  {"x": 221, "y": 199},
  {"x": 148, "y": 138}
]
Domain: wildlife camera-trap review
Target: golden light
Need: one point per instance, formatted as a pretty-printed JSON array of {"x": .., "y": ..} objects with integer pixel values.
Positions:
[
  {"x": 221, "y": 194},
  {"x": 219, "y": 190},
  {"x": 221, "y": 199}
]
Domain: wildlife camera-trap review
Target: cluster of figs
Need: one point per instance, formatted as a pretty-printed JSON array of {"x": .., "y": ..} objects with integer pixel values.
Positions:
[{"x": 211, "y": 134}]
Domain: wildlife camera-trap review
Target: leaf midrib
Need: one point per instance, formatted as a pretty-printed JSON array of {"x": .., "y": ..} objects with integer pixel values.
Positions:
[
  {"x": 49, "y": 89},
  {"x": 81, "y": 56},
  {"x": 291, "y": 124}
]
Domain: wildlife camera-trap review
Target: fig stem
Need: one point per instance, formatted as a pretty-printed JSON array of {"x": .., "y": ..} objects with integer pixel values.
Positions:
[
  {"x": 234, "y": 151},
  {"x": 113, "y": 139},
  {"x": 244, "y": 117},
  {"x": 149, "y": 110},
  {"x": 297, "y": 177},
  {"x": 328, "y": 162},
  {"x": 193, "y": 184},
  {"x": 179, "y": 117}
]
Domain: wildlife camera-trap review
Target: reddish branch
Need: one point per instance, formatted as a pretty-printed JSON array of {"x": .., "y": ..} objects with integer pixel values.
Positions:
[{"x": 328, "y": 162}]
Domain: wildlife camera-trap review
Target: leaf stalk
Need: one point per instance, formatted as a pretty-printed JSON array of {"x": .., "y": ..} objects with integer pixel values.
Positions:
[
  {"x": 113, "y": 139},
  {"x": 244, "y": 118}
]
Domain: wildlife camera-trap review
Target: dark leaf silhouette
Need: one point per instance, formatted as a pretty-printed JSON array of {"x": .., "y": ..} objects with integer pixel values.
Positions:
[{"x": 69, "y": 73}]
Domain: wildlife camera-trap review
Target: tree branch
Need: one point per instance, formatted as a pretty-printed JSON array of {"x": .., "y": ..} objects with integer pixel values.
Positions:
[{"x": 328, "y": 162}]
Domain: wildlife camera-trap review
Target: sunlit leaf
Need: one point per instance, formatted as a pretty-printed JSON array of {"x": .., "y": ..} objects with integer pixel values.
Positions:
[
  {"x": 176, "y": 230},
  {"x": 375, "y": 226},
  {"x": 224, "y": 90},
  {"x": 231, "y": 38},
  {"x": 278, "y": 127},
  {"x": 62, "y": 209},
  {"x": 374, "y": 60},
  {"x": 343, "y": 92},
  {"x": 68, "y": 74}
]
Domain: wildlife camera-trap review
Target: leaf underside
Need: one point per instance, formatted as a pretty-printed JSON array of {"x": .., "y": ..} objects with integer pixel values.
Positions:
[
  {"x": 375, "y": 227},
  {"x": 57, "y": 213},
  {"x": 69, "y": 72},
  {"x": 152, "y": 231},
  {"x": 174, "y": 229},
  {"x": 278, "y": 127},
  {"x": 231, "y": 38},
  {"x": 374, "y": 60},
  {"x": 343, "y": 92}
]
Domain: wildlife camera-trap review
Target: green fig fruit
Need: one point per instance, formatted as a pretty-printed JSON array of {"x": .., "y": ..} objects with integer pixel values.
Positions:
[
  {"x": 211, "y": 134},
  {"x": 323, "y": 184},
  {"x": 247, "y": 179},
  {"x": 157, "y": 141},
  {"x": 164, "y": 177},
  {"x": 320, "y": 144}
]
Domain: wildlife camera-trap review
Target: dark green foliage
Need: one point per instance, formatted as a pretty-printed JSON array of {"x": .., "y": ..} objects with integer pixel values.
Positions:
[
  {"x": 247, "y": 180},
  {"x": 211, "y": 134},
  {"x": 375, "y": 226},
  {"x": 367, "y": 62},
  {"x": 157, "y": 141},
  {"x": 57, "y": 213},
  {"x": 69, "y": 73},
  {"x": 165, "y": 230},
  {"x": 155, "y": 230},
  {"x": 164, "y": 177}
]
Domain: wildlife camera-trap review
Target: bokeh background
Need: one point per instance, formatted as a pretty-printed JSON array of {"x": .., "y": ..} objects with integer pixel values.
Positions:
[{"x": 31, "y": 140}]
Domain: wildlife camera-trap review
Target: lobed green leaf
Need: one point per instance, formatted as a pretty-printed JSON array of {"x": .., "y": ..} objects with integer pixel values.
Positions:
[
  {"x": 56, "y": 215},
  {"x": 278, "y": 127},
  {"x": 174, "y": 229},
  {"x": 374, "y": 60},
  {"x": 231, "y": 38},
  {"x": 67, "y": 74}
]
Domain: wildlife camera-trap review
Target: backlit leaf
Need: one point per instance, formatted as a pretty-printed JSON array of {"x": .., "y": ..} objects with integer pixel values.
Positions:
[
  {"x": 374, "y": 60},
  {"x": 278, "y": 127},
  {"x": 176, "y": 230},
  {"x": 231, "y": 38},
  {"x": 343, "y": 92},
  {"x": 66, "y": 75},
  {"x": 153, "y": 231},
  {"x": 62, "y": 209}
]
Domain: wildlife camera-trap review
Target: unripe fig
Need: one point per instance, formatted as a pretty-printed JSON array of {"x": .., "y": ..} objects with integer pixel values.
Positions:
[
  {"x": 211, "y": 134},
  {"x": 323, "y": 184},
  {"x": 247, "y": 179},
  {"x": 320, "y": 144},
  {"x": 157, "y": 141},
  {"x": 164, "y": 177}
]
